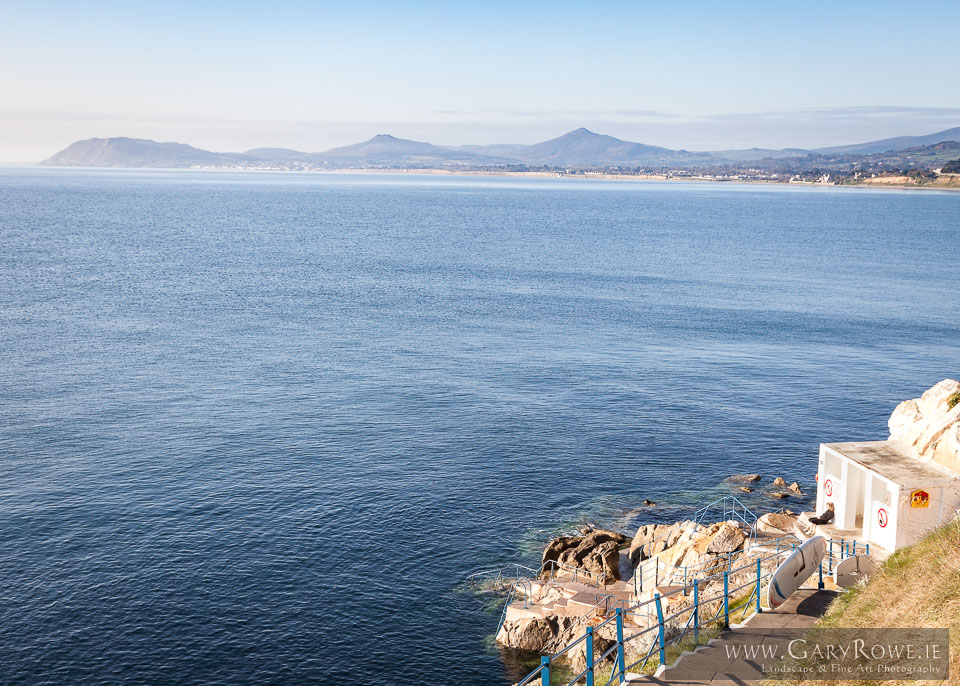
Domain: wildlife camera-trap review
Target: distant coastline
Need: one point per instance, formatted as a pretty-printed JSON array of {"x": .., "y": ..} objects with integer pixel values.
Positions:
[
  {"x": 927, "y": 161},
  {"x": 945, "y": 182}
]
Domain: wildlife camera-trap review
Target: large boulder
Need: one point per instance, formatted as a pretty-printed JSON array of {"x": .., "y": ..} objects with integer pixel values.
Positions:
[
  {"x": 727, "y": 539},
  {"x": 573, "y": 556},
  {"x": 529, "y": 633},
  {"x": 680, "y": 529},
  {"x": 558, "y": 545},
  {"x": 603, "y": 561},
  {"x": 649, "y": 540},
  {"x": 689, "y": 548},
  {"x": 597, "y": 552},
  {"x": 930, "y": 424},
  {"x": 598, "y": 536},
  {"x": 776, "y": 524},
  {"x": 947, "y": 450}
]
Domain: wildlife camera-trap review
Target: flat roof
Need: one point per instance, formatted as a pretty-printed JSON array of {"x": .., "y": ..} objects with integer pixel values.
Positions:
[{"x": 895, "y": 461}]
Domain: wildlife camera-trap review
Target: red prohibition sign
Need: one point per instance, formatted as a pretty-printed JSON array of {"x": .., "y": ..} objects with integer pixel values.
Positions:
[
  {"x": 828, "y": 487},
  {"x": 882, "y": 517}
]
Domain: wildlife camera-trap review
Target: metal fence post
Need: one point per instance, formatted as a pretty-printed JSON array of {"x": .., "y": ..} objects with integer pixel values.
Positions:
[
  {"x": 830, "y": 559},
  {"x": 660, "y": 633},
  {"x": 867, "y": 549},
  {"x": 621, "y": 664},
  {"x": 759, "y": 610},
  {"x": 726, "y": 600},
  {"x": 820, "y": 568},
  {"x": 544, "y": 671},
  {"x": 696, "y": 612},
  {"x": 589, "y": 656}
]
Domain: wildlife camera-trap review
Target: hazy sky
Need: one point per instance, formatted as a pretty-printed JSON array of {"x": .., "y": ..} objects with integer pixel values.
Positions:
[{"x": 311, "y": 75}]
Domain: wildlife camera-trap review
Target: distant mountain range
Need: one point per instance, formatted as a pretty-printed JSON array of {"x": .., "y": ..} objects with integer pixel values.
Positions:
[{"x": 577, "y": 149}]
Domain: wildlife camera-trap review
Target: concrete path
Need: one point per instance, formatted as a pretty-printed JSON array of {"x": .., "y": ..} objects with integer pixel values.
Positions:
[{"x": 713, "y": 664}]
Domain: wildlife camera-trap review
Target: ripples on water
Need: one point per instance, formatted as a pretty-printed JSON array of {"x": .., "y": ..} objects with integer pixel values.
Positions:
[{"x": 255, "y": 427}]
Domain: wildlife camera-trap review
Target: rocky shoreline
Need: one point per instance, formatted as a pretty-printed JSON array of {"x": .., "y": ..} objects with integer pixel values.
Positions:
[{"x": 583, "y": 576}]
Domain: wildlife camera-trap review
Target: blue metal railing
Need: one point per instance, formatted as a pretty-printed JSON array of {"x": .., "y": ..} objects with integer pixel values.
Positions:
[
  {"x": 839, "y": 550},
  {"x": 702, "y": 612},
  {"x": 730, "y": 507},
  {"x": 662, "y": 573}
]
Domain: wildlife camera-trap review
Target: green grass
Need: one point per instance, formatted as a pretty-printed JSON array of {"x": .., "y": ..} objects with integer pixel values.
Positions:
[{"x": 953, "y": 400}]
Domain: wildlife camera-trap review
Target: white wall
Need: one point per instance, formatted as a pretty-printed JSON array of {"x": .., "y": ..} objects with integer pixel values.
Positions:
[{"x": 914, "y": 522}]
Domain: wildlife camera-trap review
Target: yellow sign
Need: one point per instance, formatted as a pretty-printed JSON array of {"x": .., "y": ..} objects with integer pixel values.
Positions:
[{"x": 919, "y": 499}]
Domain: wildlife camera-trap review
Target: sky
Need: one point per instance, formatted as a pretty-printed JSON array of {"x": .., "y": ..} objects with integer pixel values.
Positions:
[{"x": 230, "y": 76}]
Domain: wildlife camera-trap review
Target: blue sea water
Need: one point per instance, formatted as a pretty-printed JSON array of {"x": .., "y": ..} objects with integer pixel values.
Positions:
[{"x": 255, "y": 427}]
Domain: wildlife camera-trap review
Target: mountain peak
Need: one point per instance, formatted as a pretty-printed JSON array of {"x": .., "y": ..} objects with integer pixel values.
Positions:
[
  {"x": 584, "y": 147},
  {"x": 132, "y": 152}
]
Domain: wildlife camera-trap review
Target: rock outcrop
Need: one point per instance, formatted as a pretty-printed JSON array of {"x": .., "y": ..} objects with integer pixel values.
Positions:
[
  {"x": 652, "y": 539},
  {"x": 554, "y": 610},
  {"x": 727, "y": 539},
  {"x": 699, "y": 546},
  {"x": 534, "y": 633},
  {"x": 598, "y": 552},
  {"x": 776, "y": 524},
  {"x": 930, "y": 424}
]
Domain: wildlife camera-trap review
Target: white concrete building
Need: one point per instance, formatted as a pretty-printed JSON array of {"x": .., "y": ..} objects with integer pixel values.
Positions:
[{"x": 883, "y": 493}]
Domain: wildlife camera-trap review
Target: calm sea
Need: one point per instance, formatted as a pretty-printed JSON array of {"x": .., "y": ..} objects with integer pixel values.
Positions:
[{"x": 255, "y": 427}]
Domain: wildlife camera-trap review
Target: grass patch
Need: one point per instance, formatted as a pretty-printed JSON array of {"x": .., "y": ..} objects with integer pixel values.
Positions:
[{"x": 953, "y": 400}]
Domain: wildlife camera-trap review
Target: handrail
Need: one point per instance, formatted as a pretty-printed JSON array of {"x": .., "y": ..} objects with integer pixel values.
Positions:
[
  {"x": 499, "y": 568},
  {"x": 527, "y": 593},
  {"x": 525, "y": 583},
  {"x": 731, "y": 505},
  {"x": 674, "y": 572},
  {"x": 589, "y": 613},
  {"x": 844, "y": 550}
]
